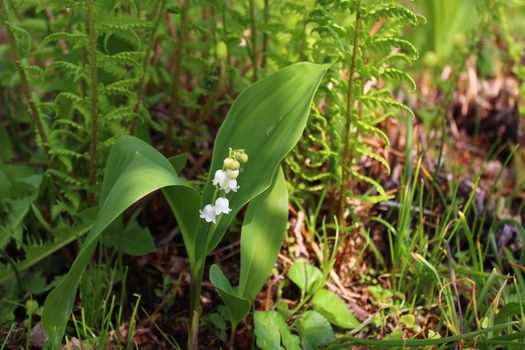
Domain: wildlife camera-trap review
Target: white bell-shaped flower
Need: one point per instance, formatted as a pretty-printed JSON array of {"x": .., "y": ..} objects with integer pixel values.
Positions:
[
  {"x": 208, "y": 213},
  {"x": 222, "y": 206},
  {"x": 220, "y": 179},
  {"x": 232, "y": 186}
]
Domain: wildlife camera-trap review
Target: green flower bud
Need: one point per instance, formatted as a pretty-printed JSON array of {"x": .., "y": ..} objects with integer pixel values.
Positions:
[
  {"x": 231, "y": 164},
  {"x": 241, "y": 156},
  {"x": 221, "y": 49}
]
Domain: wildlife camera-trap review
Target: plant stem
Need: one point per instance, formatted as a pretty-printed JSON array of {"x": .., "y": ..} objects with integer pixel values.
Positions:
[
  {"x": 157, "y": 15},
  {"x": 341, "y": 207},
  {"x": 228, "y": 57},
  {"x": 93, "y": 96},
  {"x": 24, "y": 83},
  {"x": 253, "y": 36},
  {"x": 183, "y": 35},
  {"x": 266, "y": 37},
  {"x": 195, "y": 292},
  {"x": 232, "y": 337}
]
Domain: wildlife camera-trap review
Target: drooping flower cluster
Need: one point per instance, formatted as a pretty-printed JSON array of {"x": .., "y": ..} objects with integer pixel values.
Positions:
[{"x": 226, "y": 180}]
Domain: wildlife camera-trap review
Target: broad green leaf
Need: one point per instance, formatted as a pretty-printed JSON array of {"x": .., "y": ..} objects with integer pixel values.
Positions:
[
  {"x": 263, "y": 230},
  {"x": 238, "y": 307},
  {"x": 179, "y": 161},
  {"x": 306, "y": 276},
  {"x": 134, "y": 169},
  {"x": 266, "y": 120},
  {"x": 315, "y": 330},
  {"x": 271, "y": 330},
  {"x": 334, "y": 309},
  {"x": 267, "y": 330}
]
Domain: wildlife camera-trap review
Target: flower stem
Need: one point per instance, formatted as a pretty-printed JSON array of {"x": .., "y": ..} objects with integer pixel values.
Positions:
[
  {"x": 24, "y": 83},
  {"x": 341, "y": 207}
]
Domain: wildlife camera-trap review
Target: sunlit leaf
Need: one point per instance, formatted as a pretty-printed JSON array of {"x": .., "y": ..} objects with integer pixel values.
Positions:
[
  {"x": 266, "y": 120},
  {"x": 305, "y": 276},
  {"x": 134, "y": 169},
  {"x": 315, "y": 330},
  {"x": 334, "y": 309}
]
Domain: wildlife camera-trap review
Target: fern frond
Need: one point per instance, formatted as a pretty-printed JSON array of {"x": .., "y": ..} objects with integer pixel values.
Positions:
[
  {"x": 121, "y": 113},
  {"x": 22, "y": 36},
  {"x": 112, "y": 24},
  {"x": 56, "y": 134},
  {"x": 392, "y": 11},
  {"x": 120, "y": 64},
  {"x": 75, "y": 70},
  {"x": 74, "y": 198},
  {"x": 32, "y": 72},
  {"x": 368, "y": 152},
  {"x": 76, "y": 39},
  {"x": 126, "y": 4},
  {"x": 79, "y": 103},
  {"x": 377, "y": 186},
  {"x": 65, "y": 177},
  {"x": 59, "y": 5},
  {"x": 391, "y": 43},
  {"x": 388, "y": 73},
  {"x": 121, "y": 87},
  {"x": 374, "y": 102},
  {"x": 369, "y": 128},
  {"x": 59, "y": 122},
  {"x": 71, "y": 97}
]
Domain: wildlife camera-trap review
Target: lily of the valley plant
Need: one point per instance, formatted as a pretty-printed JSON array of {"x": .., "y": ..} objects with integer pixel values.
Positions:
[{"x": 264, "y": 122}]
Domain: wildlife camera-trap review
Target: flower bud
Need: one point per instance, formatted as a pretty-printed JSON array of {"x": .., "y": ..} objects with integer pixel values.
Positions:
[
  {"x": 242, "y": 157},
  {"x": 221, "y": 49},
  {"x": 231, "y": 164}
]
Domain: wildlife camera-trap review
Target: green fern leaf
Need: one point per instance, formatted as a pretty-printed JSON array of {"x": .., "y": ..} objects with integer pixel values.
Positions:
[
  {"x": 65, "y": 177},
  {"x": 22, "y": 37},
  {"x": 381, "y": 191},
  {"x": 75, "y": 70},
  {"x": 371, "y": 101},
  {"x": 369, "y": 128},
  {"x": 392, "y": 43},
  {"x": 392, "y": 11},
  {"x": 76, "y": 39},
  {"x": 121, "y": 87},
  {"x": 121, "y": 113},
  {"x": 398, "y": 75},
  {"x": 368, "y": 152}
]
